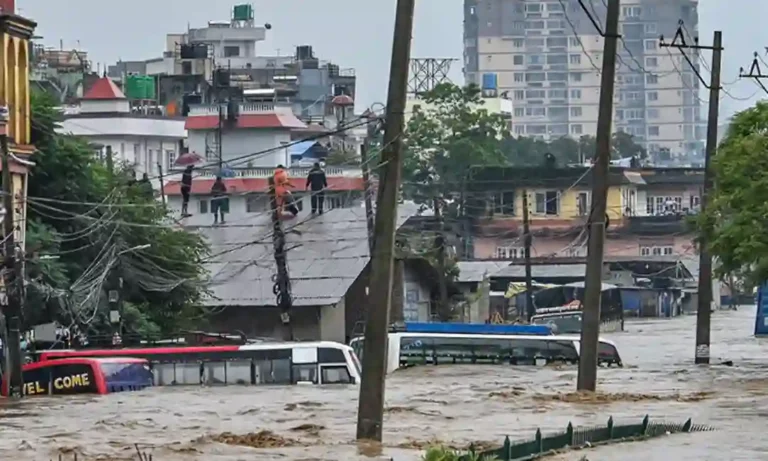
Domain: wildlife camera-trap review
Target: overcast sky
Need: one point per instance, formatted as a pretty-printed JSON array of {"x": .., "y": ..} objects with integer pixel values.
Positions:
[{"x": 352, "y": 33}]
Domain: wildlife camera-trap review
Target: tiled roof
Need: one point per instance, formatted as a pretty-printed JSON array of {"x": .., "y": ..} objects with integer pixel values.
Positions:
[
  {"x": 266, "y": 120},
  {"x": 103, "y": 89},
  {"x": 243, "y": 185},
  {"x": 326, "y": 254}
]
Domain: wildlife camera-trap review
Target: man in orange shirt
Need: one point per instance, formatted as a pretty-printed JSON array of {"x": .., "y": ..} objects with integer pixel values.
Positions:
[{"x": 282, "y": 191}]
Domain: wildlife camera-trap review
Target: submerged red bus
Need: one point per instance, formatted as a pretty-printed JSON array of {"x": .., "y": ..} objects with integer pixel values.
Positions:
[{"x": 83, "y": 376}]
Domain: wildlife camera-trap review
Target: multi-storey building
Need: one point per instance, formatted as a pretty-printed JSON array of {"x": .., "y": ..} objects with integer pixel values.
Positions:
[{"x": 547, "y": 55}]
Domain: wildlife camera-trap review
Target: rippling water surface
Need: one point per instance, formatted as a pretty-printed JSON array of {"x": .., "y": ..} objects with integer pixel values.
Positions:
[{"x": 455, "y": 405}]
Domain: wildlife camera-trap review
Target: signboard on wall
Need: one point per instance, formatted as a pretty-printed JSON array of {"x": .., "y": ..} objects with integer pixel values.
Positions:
[{"x": 761, "y": 318}]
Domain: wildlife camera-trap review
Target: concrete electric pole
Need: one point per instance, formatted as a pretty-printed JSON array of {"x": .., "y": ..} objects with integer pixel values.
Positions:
[
  {"x": 704, "y": 311},
  {"x": 370, "y": 412},
  {"x": 590, "y": 323}
]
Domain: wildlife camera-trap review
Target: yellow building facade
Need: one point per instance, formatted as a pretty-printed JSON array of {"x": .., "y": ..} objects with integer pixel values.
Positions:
[
  {"x": 14, "y": 94},
  {"x": 570, "y": 203}
]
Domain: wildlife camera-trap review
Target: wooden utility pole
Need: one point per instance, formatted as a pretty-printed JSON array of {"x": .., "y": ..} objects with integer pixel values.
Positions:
[
  {"x": 527, "y": 242},
  {"x": 370, "y": 413},
  {"x": 704, "y": 311},
  {"x": 12, "y": 270},
  {"x": 369, "y": 216},
  {"x": 590, "y": 323},
  {"x": 162, "y": 182},
  {"x": 282, "y": 287},
  {"x": 444, "y": 308},
  {"x": 110, "y": 162}
]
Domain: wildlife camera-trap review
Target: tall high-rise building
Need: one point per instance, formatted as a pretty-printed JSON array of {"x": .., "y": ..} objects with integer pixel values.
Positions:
[{"x": 547, "y": 56}]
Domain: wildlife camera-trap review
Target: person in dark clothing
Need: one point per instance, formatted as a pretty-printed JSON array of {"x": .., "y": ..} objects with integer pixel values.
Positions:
[
  {"x": 317, "y": 183},
  {"x": 219, "y": 201},
  {"x": 186, "y": 188}
]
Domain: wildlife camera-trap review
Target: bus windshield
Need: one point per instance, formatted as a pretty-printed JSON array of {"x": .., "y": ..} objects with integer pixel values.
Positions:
[
  {"x": 126, "y": 374},
  {"x": 560, "y": 323}
]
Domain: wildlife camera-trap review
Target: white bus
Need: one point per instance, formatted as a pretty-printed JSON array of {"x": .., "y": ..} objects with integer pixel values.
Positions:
[
  {"x": 320, "y": 362},
  {"x": 411, "y": 349}
]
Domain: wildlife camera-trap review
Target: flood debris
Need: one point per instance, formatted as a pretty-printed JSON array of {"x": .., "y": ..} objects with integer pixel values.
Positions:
[
  {"x": 261, "y": 439},
  {"x": 309, "y": 429},
  {"x": 607, "y": 397},
  {"x": 305, "y": 404}
]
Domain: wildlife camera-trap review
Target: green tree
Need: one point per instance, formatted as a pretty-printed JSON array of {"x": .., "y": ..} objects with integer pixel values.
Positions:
[
  {"x": 89, "y": 227},
  {"x": 623, "y": 145},
  {"x": 446, "y": 136},
  {"x": 736, "y": 219}
]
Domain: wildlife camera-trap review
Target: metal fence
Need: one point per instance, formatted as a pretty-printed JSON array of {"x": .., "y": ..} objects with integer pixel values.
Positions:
[{"x": 582, "y": 438}]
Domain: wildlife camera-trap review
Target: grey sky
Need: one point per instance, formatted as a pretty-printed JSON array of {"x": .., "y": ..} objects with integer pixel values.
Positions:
[{"x": 353, "y": 33}]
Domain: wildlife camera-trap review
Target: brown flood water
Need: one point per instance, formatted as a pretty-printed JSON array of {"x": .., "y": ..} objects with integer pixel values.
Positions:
[{"x": 453, "y": 405}]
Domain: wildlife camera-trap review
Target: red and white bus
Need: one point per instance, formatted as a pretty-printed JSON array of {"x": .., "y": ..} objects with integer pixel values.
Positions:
[
  {"x": 321, "y": 362},
  {"x": 69, "y": 376}
]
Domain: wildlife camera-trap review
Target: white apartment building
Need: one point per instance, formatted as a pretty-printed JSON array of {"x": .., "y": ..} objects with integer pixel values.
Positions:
[{"x": 552, "y": 74}]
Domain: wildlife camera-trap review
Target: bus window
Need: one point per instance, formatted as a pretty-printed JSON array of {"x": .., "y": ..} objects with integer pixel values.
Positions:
[
  {"x": 215, "y": 373},
  {"x": 525, "y": 351},
  {"x": 335, "y": 374},
  {"x": 357, "y": 346},
  {"x": 126, "y": 376},
  {"x": 416, "y": 351},
  {"x": 607, "y": 353},
  {"x": 280, "y": 372},
  {"x": 165, "y": 374},
  {"x": 73, "y": 379},
  {"x": 305, "y": 373},
  {"x": 239, "y": 372},
  {"x": 36, "y": 382},
  {"x": 563, "y": 350},
  {"x": 330, "y": 355}
]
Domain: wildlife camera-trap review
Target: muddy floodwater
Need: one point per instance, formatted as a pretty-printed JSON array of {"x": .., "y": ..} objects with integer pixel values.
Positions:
[{"x": 454, "y": 405}]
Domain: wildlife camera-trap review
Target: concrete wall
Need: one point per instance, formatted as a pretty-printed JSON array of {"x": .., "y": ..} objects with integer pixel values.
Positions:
[
  {"x": 309, "y": 323},
  {"x": 241, "y": 142}
]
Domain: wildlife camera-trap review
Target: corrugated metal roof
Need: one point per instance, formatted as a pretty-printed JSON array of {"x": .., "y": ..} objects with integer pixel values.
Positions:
[
  {"x": 298, "y": 149},
  {"x": 474, "y": 271},
  {"x": 544, "y": 270},
  {"x": 325, "y": 255}
]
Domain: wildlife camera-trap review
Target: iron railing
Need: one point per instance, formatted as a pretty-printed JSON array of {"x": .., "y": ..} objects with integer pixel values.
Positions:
[{"x": 582, "y": 438}]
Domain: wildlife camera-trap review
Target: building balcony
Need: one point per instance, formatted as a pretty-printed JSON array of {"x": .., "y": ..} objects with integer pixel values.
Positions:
[
  {"x": 245, "y": 108},
  {"x": 658, "y": 225},
  {"x": 265, "y": 172}
]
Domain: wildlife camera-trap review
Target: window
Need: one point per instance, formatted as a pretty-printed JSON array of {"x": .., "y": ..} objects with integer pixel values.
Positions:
[
  {"x": 335, "y": 374},
  {"x": 650, "y": 28},
  {"x": 202, "y": 206},
  {"x": 519, "y": 112},
  {"x": 575, "y": 76},
  {"x": 509, "y": 252},
  {"x": 518, "y": 43},
  {"x": 576, "y": 94},
  {"x": 632, "y": 11},
  {"x": 576, "y": 129},
  {"x": 582, "y": 203},
  {"x": 575, "y": 59},
  {"x": 305, "y": 373},
  {"x": 519, "y": 95},
  {"x": 239, "y": 372},
  {"x": 695, "y": 202},
  {"x": 653, "y": 96},
  {"x": 653, "y": 131},
  {"x": 651, "y": 79},
  {"x": 186, "y": 67},
  {"x": 656, "y": 251},
  {"x": 576, "y": 111},
  {"x": 650, "y": 45},
  {"x": 517, "y": 59},
  {"x": 171, "y": 156},
  {"x": 653, "y": 113},
  {"x": 231, "y": 51},
  {"x": 519, "y": 77},
  {"x": 255, "y": 203},
  {"x": 546, "y": 203},
  {"x": 558, "y": 94},
  {"x": 651, "y": 62},
  {"x": 504, "y": 203},
  {"x": 574, "y": 41}
]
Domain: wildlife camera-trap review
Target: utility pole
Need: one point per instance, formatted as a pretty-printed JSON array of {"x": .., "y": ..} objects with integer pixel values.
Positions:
[
  {"x": 162, "y": 182},
  {"x": 110, "y": 162},
  {"x": 444, "y": 307},
  {"x": 219, "y": 130},
  {"x": 282, "y": 287},
  {"x": 590, "y": 323},
  {"x": 12, "y": 271},
  {"x": 527, "y": 242},
  {"x": 704, "y": 311},
  {"x": 364, "y": 159},
  {"x": 370, "y": 413}
]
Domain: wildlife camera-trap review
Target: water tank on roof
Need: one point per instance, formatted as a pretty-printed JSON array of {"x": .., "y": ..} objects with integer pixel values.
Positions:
[
  {"x": 490, "y": 82},
  {"x": 304, "y": 52},
  {"x": 242, "y": 13},
  {"x": 140, "y": 87},
  {"x": 193, "y": 51}
]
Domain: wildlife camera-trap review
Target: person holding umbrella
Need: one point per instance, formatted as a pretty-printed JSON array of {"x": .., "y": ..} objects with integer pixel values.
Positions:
[{"x": 186, "y": 189}]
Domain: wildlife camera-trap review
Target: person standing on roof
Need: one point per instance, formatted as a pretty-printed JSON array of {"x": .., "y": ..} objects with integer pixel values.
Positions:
[
  {"x": 283, "y": 194},
  {"x": 317, "y": 183},
  {"x": 186, "y": 189},
  {"x": 219, "y": 201}
]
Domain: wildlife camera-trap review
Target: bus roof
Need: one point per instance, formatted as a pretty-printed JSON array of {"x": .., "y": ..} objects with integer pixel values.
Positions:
[
  {"x": 474, "y": 328},
  {"x": 83, "y": 360},
  {"x": 535, "y": 337}
]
